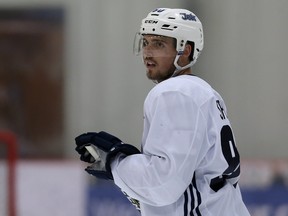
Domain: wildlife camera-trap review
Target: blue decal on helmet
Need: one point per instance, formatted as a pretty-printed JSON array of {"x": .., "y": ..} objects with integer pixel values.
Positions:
[{"x": 186, "y": 16}]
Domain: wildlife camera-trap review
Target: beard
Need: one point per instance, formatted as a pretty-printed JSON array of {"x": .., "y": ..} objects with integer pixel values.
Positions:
[{"x": 159, "y": 76}]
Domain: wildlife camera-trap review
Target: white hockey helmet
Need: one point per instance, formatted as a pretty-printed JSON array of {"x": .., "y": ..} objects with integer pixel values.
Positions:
[{"x": 181, "y": 24}]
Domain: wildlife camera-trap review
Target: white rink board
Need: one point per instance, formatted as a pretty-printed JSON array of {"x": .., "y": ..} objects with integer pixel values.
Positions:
[{"x": 50, "y": 188}]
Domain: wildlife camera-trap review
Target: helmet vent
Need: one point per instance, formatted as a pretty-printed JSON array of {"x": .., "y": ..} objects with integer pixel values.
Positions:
[
  {"x": 168, "y": 27},
  {"x": 171, "y": 18},
  {"x": 154, "y": 14}
]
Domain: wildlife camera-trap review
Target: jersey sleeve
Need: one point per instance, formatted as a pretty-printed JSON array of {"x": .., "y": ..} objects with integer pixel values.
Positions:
[{"x": 173, "y": 135}]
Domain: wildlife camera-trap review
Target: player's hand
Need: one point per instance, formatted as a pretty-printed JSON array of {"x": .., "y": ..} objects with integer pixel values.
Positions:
[
  {"x": 107, "y": 146},
  {"x": 100, "y": 140},
  {"x": 82, "y": 141}
]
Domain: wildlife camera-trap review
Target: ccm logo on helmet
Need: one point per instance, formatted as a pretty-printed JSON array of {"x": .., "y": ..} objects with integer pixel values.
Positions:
[
  {"x": 151, "y": 21},
  {"x": 186, "y": 16}
]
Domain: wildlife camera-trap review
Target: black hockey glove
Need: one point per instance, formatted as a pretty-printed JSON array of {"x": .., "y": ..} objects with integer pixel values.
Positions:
[{"x": 104, "y": 148}]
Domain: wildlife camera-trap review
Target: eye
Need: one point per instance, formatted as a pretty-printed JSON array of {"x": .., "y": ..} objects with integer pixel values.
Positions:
[{"x": 159, "y": 44}]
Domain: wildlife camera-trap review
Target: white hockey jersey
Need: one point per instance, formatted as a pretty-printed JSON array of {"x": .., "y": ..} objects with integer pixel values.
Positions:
[{"x": 190, "y": 163}]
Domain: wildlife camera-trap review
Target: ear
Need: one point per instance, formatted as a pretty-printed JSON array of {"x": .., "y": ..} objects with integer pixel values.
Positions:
[
  {"x": 184, "y": 59},
  {"x": 187, "y": 51}
]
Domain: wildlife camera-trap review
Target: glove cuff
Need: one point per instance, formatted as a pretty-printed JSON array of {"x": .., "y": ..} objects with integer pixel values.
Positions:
[{"x": 126, "y": 149}]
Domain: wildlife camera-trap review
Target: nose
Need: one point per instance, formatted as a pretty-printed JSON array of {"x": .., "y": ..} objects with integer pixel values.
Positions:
[{"x": 148, "y": 51}]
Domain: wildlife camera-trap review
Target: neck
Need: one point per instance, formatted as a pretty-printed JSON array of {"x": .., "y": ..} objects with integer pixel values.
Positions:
[
  {"x": 176, "y": 73},
  {"x": 183, "y": 72}
]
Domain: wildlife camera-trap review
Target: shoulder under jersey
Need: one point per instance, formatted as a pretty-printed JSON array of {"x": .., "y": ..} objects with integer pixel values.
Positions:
[{"x": 190, "y": 163}]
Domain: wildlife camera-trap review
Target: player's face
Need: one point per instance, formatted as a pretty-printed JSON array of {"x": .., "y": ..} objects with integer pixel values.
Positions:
[{"x": 158, "y": 54}]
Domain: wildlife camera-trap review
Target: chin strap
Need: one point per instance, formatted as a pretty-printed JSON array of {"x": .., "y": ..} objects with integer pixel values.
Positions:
[{"x": 179, "y": 68}]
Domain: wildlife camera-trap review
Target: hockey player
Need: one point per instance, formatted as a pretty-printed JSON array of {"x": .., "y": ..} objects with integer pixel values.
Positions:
[{"x": 189, "y": 163}]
